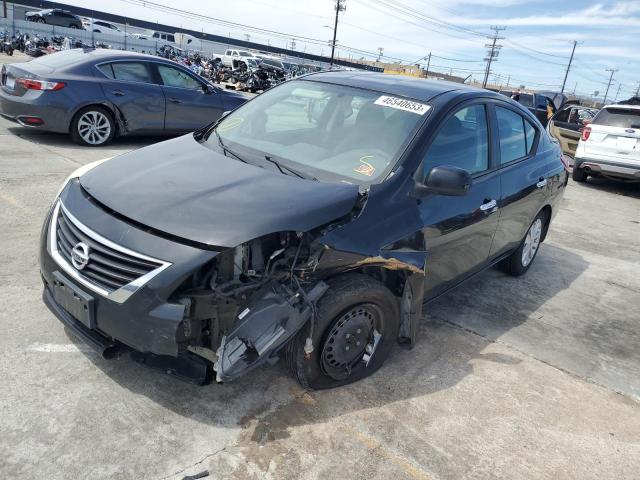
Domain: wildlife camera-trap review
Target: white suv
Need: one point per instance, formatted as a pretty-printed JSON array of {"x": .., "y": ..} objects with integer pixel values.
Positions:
[{"x": 610, "y": 145}]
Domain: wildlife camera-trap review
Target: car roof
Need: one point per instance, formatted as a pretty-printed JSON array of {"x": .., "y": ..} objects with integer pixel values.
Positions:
[
  {"x": 417, "y": 88},
  {"x": 623, "y": 106},
  {"x": 112, "y": 54}
]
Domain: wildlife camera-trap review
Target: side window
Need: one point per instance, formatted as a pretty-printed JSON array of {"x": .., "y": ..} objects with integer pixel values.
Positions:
[
  {"x": 563, "y": 115},
  {"x": 461, "y": 142},
  {"x": 530, "y": 135},
  {"x": 227, "y": 53},
  {"x": 513, "y": 144},
  {"x": 171, "y": 38},
  {"x": 106, "y": 69},
  {"x": 156, "y": 35},
  {"x": 131, "y": 71},
  {"x": 173, "y": 77}
]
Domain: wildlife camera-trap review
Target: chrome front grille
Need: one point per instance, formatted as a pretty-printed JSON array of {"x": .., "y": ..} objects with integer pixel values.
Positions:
[{"x": 98, "y": 263}]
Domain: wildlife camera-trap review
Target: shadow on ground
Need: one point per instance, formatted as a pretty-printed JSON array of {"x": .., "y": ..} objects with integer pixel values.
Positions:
[
  {"x": 441, "y": 359},
  {"x": 61, "y": 140},
  {"x": 617, "y": 187}
]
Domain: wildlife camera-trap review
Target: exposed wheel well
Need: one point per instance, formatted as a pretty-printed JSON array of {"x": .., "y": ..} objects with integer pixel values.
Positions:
[
  {"x": 547, "y": 211},
  {"x": 392, "y": 279}
]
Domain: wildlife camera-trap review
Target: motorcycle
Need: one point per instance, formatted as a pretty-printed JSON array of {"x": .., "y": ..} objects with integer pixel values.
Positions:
[{"x": 6, "y": 44}]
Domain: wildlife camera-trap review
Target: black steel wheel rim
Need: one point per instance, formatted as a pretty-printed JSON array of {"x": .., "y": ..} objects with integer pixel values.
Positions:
[{"x": 346, "y": 340}]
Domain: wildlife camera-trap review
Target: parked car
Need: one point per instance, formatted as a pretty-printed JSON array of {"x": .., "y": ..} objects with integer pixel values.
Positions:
[
  {"x": 567, "y": 124},
  {"x": 540, "y": 105},
  {"x": 268, "y": 234},
  {"x": 55, "y": 16},
  {"x": 97, "y": 94},
  {"x": 164, "y": 38},
  {"x": 231, "y": 57},
  {"x": 100, "y": 26},
  {"x": 610, "y": 145}
]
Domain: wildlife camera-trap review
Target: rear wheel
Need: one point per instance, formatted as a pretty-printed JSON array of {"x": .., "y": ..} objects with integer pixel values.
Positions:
[
  {"x": 521, "y": 259},
  {"x": 355, "y": 328},
  {"x": 93, "y": 127},
  {"x": 578, "y": 174},
  {"x": 40, "y": 20}
]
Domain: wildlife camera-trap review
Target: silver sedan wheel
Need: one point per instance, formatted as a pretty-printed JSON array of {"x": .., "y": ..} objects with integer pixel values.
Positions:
[
  {"x": 531, "y": 242},
  {"x": 94, "y": 127}
]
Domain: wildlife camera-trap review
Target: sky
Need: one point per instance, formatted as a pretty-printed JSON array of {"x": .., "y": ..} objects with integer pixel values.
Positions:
[{"x": 537, "y": 43}]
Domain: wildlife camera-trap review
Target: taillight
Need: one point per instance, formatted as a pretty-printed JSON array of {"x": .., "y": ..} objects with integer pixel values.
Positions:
[
  {"x": 586, "y": 131},
  {"x": 31, "y": 84}
]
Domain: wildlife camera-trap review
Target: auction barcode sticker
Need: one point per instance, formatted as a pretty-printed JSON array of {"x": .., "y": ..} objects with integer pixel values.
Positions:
[{"x": 403, "y": 104}]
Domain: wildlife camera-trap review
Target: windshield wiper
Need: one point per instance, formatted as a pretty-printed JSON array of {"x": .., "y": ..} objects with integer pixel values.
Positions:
[
  {"x": 225, "y": 149},
  {"x": 288, "y": 169}
]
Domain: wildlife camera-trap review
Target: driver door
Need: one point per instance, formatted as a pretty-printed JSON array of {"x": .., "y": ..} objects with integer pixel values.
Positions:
[{"x": 458, "y": 231}]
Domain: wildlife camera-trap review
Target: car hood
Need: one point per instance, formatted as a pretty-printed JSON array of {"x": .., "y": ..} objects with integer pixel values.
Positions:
[{"x": 183, "y": 188}]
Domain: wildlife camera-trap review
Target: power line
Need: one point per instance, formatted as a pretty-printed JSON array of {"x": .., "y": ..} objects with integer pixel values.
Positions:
[{"x": 493, "y": 53}]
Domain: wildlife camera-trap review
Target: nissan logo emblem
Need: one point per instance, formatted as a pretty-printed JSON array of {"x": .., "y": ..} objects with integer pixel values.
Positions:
[{"x": 80, "y": 255}]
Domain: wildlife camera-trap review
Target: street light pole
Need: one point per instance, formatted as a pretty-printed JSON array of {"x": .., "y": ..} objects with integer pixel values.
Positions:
[
  {"x": 426, "y": 75},
  {"x": 340, "y": 7}
]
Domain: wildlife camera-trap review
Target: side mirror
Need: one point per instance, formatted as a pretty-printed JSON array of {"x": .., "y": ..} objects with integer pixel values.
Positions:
[
  {"x": 206, "y": 88},
  {"x": 445, "y": 180}
]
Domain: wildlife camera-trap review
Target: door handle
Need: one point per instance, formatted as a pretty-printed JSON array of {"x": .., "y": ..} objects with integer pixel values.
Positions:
[
  {"x": 174, "y": 100},
  {"x": 490, "y": 205},
  {"x": 118, "y": 93},
  {"x": 542, "y": 183}
]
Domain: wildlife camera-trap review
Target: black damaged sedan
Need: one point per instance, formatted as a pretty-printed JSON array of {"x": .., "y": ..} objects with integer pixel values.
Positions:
[{"x": 312, "y": 223}]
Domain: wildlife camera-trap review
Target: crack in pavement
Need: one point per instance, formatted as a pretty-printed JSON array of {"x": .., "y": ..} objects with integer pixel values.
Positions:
[{"x": 203, "y": 459}]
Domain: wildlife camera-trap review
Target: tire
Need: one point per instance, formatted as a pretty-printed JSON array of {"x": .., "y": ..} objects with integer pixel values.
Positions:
[
  {"x": 104, "y": 123},
  {"x": 75, "y": 27},
  {"x": 40, "y": 20},
  {"x": 10, "y": 52},
  {"x": 578, "y": 174},
  {"x": 518, "y": 263},
  {"x": 343, "y": 319}
]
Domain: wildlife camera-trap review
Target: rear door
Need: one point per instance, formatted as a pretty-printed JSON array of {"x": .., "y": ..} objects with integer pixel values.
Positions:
[
  {"x": 566, "y": 126},
  {"x": 129, "y": 86},
  {"x": 189, "y": 106},
  {"x": 524, "y": 175},
  {"x": 615, "y": 134},
  {"x": 459, "y": 230}
]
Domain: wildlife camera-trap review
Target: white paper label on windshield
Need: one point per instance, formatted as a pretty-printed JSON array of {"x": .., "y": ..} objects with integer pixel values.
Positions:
[{"x": 403, "y": 104}]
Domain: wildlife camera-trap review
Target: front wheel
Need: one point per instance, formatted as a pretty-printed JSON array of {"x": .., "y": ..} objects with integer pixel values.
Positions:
[
  {"x": 355, "y": 328},
  {"x": 521, "y": 259},
  {"x": 93, "y": 127}
]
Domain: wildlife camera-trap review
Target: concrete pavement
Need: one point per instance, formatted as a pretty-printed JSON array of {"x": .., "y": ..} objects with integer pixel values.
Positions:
[{"x": 528, "y": 378}]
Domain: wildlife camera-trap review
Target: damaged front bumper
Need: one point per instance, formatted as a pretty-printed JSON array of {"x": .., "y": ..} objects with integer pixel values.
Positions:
[{"x": 170, "y": 331}]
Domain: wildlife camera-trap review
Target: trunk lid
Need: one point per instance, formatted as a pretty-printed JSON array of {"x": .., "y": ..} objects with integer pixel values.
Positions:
[
  {"x": 185, "y": 189},
  {"x": 615, "y": 132}
]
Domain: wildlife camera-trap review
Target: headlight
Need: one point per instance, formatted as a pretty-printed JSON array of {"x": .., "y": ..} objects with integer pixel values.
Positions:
[{"x": 79, "y": 172}]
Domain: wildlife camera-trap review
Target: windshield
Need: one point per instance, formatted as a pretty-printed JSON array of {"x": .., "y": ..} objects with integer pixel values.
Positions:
[
  {"x": 330, "y": 132},
  {"x": 618, "y": 117}
]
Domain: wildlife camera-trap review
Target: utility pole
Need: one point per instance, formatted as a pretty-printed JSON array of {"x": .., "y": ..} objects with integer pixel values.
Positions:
[
  {"x": 493, "y": 53},
  {"x": 426, "y": 75},
  {"x": 380, "y": 50},
  {"x": 612, "y": 70},
  {"x": 638, "y": 90},
  {"x": 4, "y": 8},
  {"x": 340, "y": 7},
  {"x": 508, "y": 80},
  {"x": 564, "y": 82},
  {"x": 575, "y": 87},
  {"x": 617, "y": 93}
]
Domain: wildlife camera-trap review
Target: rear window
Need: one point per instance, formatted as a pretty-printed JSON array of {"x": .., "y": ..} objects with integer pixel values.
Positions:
[
  {"x": 618, "y": 117},
  {"x": 61, "y": 59},
  {"x": 526, "y": 100}
]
